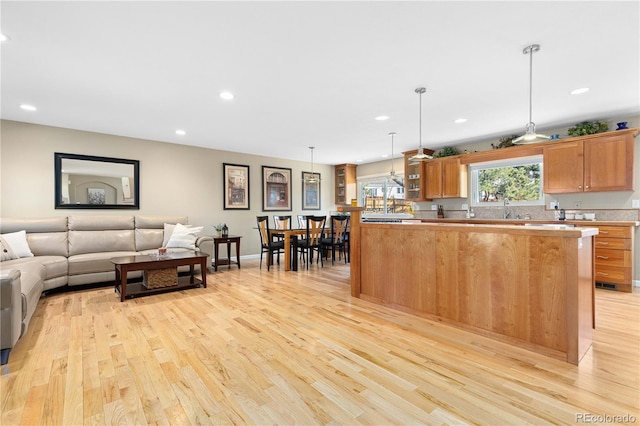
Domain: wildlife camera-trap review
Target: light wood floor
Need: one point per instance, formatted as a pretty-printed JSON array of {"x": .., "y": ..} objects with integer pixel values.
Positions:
[{"x": 259, "y": 347}]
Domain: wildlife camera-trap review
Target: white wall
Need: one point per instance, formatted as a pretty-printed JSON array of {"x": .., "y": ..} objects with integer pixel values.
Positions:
[{"x": 174, "y": 179}]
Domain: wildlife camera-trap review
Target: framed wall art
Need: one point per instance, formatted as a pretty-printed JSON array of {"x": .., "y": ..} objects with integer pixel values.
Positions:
[
  {"x": 236, "y": 186},
  {"x": 310, "y": 191},
  {"x": 276, "y": 189}
]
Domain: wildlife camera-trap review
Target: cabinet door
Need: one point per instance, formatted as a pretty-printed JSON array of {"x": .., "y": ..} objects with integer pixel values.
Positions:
[
  {"x": 413, "y": 179},
  {"x": 563, "y": 166},
  {"x": 341, "y": 185},
  {"x": 454, "y": 179},
  {"x": 433, "y": 179},
  {"x": 608, "y": 163}
]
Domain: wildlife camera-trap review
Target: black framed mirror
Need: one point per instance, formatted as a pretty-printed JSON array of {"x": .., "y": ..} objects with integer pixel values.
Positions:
[{"x": 90, "y": 182}]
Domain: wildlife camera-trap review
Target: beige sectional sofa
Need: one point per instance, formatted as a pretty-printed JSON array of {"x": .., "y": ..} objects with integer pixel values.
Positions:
[{"x": 71, "y": 251}]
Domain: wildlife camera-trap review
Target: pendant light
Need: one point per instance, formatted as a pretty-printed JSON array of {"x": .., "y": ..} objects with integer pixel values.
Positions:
[
  {"x": 314, "y": 177},
  {"x": 392, "y": 173},
  {"x": 530, "y": 135},
  {"x": 420, "y": 156}
]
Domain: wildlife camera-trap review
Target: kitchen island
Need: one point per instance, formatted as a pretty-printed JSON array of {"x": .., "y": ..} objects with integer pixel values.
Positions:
[{"x": 529, "y": 286}]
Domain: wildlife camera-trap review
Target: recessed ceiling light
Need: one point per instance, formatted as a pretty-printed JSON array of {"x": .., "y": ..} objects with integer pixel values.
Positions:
[
  {"x": 382, "y": 117},
  {"x": 226, "y": 95},
  {"x": 358, "y": 161},
  {"x": 28, "y": 107},
  {"x": 384, "y": 155},
  {"x": 4, "y": 37},
  {"x": 180, "y": 132},
  {"x": 460, "y": 120},
  {"x": 579, "y": 91}
]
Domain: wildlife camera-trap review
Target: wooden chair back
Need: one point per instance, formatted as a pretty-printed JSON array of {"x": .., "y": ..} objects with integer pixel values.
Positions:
[
  {"x": 315, "y": 229},
  {"x": 339, "y": 226},
  {"x": 263, "y": 227}
]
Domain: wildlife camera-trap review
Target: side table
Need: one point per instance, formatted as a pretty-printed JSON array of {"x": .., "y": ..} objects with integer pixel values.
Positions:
[{"x": 228, "y": 240}]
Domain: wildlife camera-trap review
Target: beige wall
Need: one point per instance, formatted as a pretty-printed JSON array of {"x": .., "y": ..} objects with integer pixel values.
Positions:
[{"x": 174, "y": 179}]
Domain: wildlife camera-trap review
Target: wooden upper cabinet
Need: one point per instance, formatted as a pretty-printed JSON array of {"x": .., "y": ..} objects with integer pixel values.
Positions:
[
  {"x": 345, "y": 183},
  {"x": 602, "y": 163},
  {"x": 608, "y": 163},
  {"x": 414, "y": 177},
  {"x": 445, "y": 178},
  {"x": 563, "y": 166}
]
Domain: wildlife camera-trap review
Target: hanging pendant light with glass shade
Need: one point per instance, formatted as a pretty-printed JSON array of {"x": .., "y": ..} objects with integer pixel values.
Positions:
[
  {"x": 420, "y": 156},
  {"x": 530, "y": 135},
  {"x": 312, "y": 177}
]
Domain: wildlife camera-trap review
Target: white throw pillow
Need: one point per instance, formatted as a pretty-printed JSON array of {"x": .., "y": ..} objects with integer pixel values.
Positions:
[
  {"x": 168, "y": 230},
  {"x": 6, "y": 250},
  {"x": 17, "y": 242},
  {"x": 184, "y": 237}
]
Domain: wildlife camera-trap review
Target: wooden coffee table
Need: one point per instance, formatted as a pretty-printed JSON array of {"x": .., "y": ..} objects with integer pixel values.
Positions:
[{"x": 126, "y": 264}]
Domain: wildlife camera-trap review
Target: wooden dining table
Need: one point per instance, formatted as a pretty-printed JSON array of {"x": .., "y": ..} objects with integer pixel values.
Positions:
[{"x": 288, "y": 248}]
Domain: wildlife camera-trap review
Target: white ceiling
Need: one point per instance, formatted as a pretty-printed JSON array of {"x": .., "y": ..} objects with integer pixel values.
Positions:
[{"x": 317, "y": 73}]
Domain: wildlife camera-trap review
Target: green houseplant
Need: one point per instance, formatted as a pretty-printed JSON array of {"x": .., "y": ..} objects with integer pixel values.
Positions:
[
  {"x": 505, "y": 142},
  {"x": 446, "y": 152},
  {"x": 588, "y": 128}
]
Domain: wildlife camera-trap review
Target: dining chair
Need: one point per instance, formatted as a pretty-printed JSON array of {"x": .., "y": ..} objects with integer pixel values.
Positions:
[
  {"x": 267, "y": 243},
  {"x": 312, "y": 242},
  {"x": 338, "y": 238},
  {"x": 302, "y": 221},
  {"x": 282, "y": 222}
]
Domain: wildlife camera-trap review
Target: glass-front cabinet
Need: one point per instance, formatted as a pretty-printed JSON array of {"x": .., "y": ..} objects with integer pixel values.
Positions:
[
  {"x": 345, "y": 183},
  {"x": 414, "y": 177}
]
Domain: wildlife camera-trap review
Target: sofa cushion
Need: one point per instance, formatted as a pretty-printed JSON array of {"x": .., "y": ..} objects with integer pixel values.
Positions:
[
  {"x": 95, "y": 262},
  {"x": 45, "y": 236},
  {"x": 100, "y": 223},
  {"x": 54, "y": 266},
  {"x": 157, "y": 222},
  {"x": 49, "y": 243},
  {"x": 148, "y": 239},
  {"x": 150, "y": 230},
  {"x": 32, "y": 274},
  {"x": 33, "y": 225},
  {"x": 82, "y": 242}
]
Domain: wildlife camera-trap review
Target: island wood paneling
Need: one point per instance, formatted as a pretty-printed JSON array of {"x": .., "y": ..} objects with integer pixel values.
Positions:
[{"x": 529, "y": 286}]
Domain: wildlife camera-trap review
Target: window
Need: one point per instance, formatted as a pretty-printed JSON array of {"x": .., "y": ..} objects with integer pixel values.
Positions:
[
  {"x": 381, "y": 195},
  {"x": 518, "y": 179}
]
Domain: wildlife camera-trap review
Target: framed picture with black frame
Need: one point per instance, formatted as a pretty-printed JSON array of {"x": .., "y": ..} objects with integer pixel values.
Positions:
[
  {"x": 310, "y": 191},
  {"x": 236, "y": 186},
  {"x": 276, "y": 189}
]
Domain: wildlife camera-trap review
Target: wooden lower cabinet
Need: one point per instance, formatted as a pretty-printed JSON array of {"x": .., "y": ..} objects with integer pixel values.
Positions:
[{"x": 614, "y": 257}]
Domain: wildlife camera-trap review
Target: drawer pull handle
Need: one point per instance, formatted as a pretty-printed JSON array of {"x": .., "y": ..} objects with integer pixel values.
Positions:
[
  {"x": 604, "y": 232},
  {"x": 602, "y": 273},
  {"x": 604, "y": 243},
  {"x": 602, "y": 257}
]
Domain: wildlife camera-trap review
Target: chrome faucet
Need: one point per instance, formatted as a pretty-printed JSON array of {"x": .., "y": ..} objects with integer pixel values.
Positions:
[{"x": 506, "y": 211}]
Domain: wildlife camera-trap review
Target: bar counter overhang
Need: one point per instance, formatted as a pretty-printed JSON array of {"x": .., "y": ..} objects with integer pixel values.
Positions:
[{"x": 529, "y": 286}]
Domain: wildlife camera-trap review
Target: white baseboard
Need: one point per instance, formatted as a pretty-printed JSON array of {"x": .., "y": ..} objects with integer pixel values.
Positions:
[
  {"x": 250, "y": 256},
  {"x": 636, "y": 283}
]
